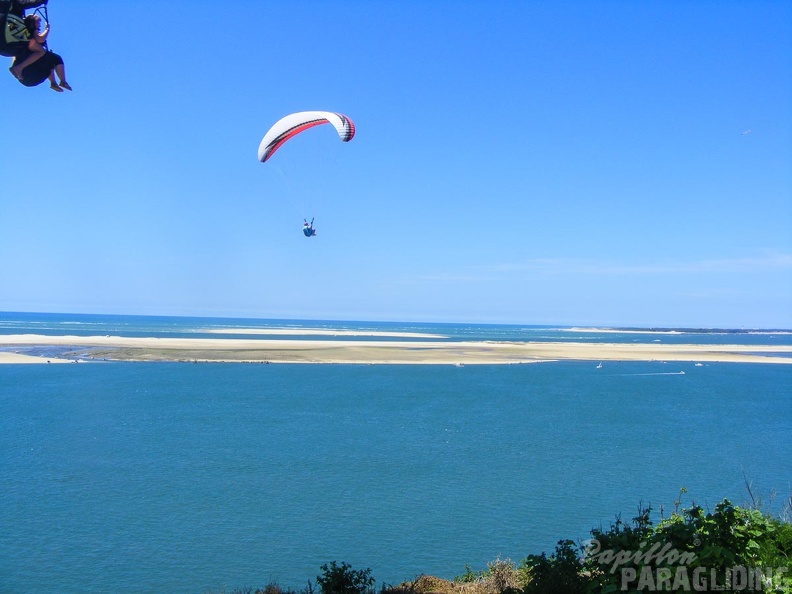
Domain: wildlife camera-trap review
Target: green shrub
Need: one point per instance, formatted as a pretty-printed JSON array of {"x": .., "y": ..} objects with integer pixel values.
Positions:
[
  {"x": 687, "y": 547},
  {"x": 342, "y": 579},
  {"x": 561, "y": 573}
]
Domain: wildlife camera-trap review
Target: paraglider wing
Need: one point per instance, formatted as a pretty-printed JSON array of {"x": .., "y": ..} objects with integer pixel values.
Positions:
[
  {"x": 293, "y": 124},
  {"x": 18, "y": 6},
  {"x": 13, "y": 33}
]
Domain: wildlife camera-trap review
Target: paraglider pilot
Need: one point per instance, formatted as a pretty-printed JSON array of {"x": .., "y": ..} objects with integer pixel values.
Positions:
[
  {"x": 22, "y": 40},
  {"x": 308, "y": 229},
  {"x": 34, "y": 64}
]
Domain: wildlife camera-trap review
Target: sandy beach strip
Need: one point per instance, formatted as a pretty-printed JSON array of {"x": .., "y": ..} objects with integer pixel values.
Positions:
[
  {"x": 21, "y": 358},
  {"x": 318, "y": 332},
  {"x": 117, "y": 348}
]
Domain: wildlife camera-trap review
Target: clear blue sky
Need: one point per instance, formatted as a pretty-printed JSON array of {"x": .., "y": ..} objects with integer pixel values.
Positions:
[{"x": 525, "y": 162}]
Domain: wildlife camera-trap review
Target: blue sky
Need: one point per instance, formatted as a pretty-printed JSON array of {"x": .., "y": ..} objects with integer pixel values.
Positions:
[{"x": 524, "y": 162}]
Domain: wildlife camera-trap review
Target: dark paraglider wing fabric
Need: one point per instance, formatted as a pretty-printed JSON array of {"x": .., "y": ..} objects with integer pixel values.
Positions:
[
  {"x": 18, "y": 7},
  {"x": 30, "y": 3},
  {"x": 13, "y": 34},
  {"x": 293, "y": 124}
]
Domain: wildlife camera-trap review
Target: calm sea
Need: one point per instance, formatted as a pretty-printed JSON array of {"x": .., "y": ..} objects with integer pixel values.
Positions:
[{"x": 177, "y": 477}]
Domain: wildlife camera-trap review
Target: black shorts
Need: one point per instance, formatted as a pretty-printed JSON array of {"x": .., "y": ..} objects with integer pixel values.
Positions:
[{"x": 38, "y": 71}]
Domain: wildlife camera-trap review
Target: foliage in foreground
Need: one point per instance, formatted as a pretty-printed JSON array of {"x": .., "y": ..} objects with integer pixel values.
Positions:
[
  {"x": 731, "y": 549},
  {"x": 342, "y": 579}
]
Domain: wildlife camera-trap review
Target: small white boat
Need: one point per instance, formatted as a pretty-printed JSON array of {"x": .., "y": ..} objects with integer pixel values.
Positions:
[{"x": 599, "y": 366}]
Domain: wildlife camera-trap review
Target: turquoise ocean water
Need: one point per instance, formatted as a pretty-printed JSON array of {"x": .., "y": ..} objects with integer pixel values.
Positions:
[{"x": 176, "y": 477}]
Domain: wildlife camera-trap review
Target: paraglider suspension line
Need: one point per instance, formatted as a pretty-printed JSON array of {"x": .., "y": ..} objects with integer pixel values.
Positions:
[{"x": 42, "y": 12}]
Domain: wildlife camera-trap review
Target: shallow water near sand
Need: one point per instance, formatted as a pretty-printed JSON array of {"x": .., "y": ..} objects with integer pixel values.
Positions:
[{"x": 137, "y": 477}]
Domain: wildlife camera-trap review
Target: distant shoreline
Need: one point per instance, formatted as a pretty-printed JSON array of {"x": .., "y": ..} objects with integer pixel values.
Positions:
[
  {"x": 634, "y": 330},
  {"x": 20, "y": 348}
]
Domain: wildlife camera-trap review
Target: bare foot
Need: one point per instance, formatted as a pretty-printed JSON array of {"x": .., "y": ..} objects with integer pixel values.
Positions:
[
  {"x": 16, "y": 72},
  {"x": 65, "y": 85},
  {"x": 55, "y": 87}
]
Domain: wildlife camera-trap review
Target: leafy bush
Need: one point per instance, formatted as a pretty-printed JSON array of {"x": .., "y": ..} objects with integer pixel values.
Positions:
[
  {"x": 597, "y": 562},
  {"x": 342, "y": 579},
  {"x": 561, "y": 573},
  {"x": 779, "y": 551},
  {"x": 688, "y": 547}
]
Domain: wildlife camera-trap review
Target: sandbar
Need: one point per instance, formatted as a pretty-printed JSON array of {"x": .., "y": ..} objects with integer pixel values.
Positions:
[
  {"x": 318, "y": 332},
  {"x": 21, "y": 358},
  {"x": 119, "y": 348}
]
